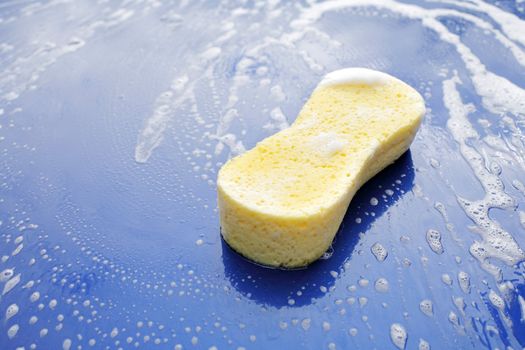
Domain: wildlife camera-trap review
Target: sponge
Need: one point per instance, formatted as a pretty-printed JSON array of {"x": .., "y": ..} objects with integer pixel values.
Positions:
[{"x": 281, "y": 203}]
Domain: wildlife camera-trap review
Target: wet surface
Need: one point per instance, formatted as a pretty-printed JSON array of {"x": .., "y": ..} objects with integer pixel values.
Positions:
[{"x": 115, "y": 117}]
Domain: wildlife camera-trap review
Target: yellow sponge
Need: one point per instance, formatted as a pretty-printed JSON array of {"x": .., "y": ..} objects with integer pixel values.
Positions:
[{"x": 282, "y": 202}]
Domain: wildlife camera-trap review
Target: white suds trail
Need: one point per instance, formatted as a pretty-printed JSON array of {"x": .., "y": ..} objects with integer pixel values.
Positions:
[{"x": 495, "y": 241}]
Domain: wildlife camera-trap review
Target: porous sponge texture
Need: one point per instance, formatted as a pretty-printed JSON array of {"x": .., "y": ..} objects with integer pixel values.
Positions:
[{"x": 282, "y": 202}]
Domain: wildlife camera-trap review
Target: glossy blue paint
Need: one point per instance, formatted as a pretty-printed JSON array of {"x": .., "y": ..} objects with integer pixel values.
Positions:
[{"x": 115, "y": 242}]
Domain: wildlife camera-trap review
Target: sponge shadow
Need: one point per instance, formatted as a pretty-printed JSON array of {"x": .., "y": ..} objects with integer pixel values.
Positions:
[{"x": 274, "y": 287}]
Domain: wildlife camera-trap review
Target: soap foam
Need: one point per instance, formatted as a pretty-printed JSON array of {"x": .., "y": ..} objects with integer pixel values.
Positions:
[
  {"x": 327, "y": 143},
  {"x": 355, "y": 76},
  {"x": 496, "y": 242}
]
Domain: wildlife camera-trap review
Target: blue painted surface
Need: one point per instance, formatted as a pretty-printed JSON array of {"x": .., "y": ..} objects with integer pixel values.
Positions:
[{"x": 115, "y": 241}]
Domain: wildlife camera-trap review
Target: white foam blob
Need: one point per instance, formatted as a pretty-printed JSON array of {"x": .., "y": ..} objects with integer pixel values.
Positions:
[{"x": 355, "y": 76}]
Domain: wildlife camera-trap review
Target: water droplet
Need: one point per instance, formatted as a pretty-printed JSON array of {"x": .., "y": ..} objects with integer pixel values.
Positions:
[
  {"x": 381, "y": 285},
  {"x": 11, "y": 284},
  {"x": 379, "y": 252},
  {"x": 426, "y": 307},
  {"x": 305, "y": 324},
  {"x": 34, "y": 297},
  {"x": 114, "y": 333},
  {"x": 398, "y": 335},
  {"x": 464, "y": 281},
  {"x": 434, "y": 241},
  {"x": 11, "y": 332},
  {"x": 496, "y": 300},
  {"x": 66, "y": 344},
  {"x": 423, "y": 345},
  {"x": 11, "y": 311},
  {"x": 445, "y": 278},
  {"x": 6, "y": 275}
]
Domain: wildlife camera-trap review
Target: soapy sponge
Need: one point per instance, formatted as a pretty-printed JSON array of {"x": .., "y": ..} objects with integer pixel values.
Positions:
[{"x": 281, "y": 203}]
